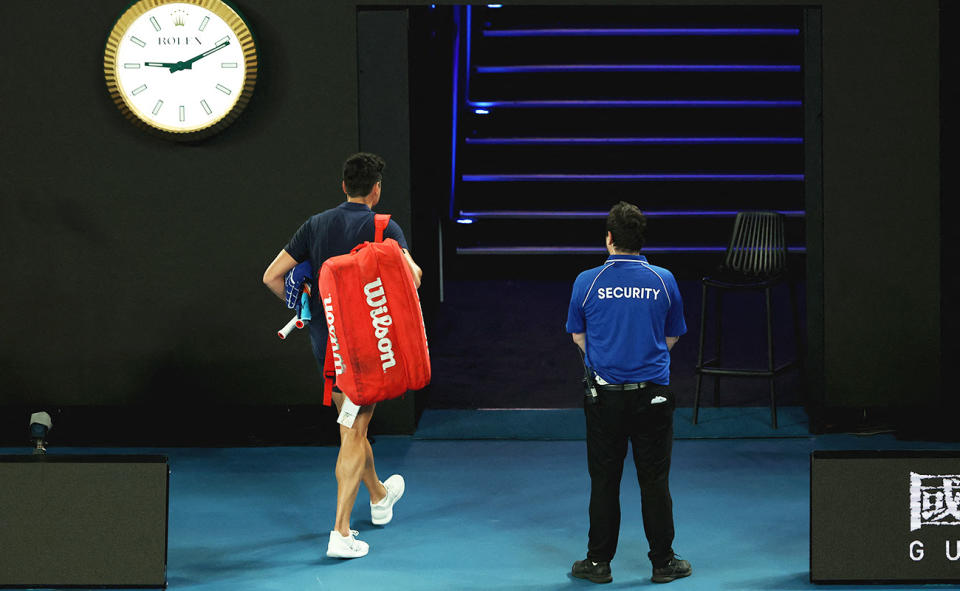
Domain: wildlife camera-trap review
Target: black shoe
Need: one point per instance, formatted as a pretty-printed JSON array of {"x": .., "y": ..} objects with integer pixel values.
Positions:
[
  {"x": 675, "y": 569},
  {"x": 597, "y": 572}
]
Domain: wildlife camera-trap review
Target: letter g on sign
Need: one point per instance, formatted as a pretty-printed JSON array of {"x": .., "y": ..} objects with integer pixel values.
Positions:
[{"x": 916, "y": 550}]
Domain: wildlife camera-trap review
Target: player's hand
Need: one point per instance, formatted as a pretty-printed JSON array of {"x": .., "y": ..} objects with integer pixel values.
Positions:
[{"x": 293, "y": 283}]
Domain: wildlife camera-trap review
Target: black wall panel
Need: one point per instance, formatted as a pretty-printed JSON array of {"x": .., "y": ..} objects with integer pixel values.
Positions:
[
  {"x": 881, "y": 203},
  {"x": 83, "y": 521},
  {"x": 884, "y": 516},
  {"x": 949, "y": 187}
]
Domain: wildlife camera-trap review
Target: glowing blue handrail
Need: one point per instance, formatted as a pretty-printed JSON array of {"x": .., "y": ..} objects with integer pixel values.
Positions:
[
  {"x": 552, "y": 250},
  {"x": 547, "y": 68},
  {"x": 528, "y": 214},
  {"x": 634, "y": 140},
  {"x": 643, "y": 32},
  {"x": 640, "y": 103},
  {"x": 631, "y": 177}
]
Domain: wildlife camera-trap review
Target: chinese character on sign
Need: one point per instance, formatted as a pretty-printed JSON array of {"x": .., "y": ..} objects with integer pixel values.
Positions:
[{"x": 934, "y": 500}]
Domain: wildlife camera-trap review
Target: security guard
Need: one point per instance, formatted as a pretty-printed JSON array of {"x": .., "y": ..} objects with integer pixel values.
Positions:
[{"x": 626, "y": 315}]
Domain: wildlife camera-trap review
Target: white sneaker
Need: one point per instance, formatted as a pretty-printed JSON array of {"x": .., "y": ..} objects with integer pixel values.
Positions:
[
  {"x": 381, "y": 513},
  {"x": 346, "y": 547}
]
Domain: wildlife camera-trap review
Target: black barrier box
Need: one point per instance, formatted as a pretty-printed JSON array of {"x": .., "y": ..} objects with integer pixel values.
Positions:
[
  {"x": 83, "y": 521},
  {"x": 885, "y": 517}
]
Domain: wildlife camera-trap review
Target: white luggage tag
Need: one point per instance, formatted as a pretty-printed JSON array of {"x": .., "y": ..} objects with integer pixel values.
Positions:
[{"x": 348, "y": 412}]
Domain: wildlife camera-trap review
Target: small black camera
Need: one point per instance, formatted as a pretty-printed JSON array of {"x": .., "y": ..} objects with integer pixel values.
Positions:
[{"x": 40, "y": 424}]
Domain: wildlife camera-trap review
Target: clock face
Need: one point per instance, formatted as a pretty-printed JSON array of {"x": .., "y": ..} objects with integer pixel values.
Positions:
[{"x": 184, "y": 68}]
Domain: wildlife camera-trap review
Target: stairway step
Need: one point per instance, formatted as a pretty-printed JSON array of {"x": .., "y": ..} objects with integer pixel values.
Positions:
[
  {"x": 636, "y": 121},
  {"x": 670, "y": 233},
  {"x": 486, "y": 51},
  {"x": 638, "y": 89},
  {"x": 629, "y": 158},
  {"x": 686, "y": 18},
  {"x": 654, "y": 195},
  {"x": 688, "y": 265}
]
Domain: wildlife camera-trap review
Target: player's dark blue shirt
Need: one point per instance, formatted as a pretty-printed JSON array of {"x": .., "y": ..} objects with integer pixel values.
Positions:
[
  {"x": 627, "y": 307},
  {"x": 332, "y": 233},
  {"x": 336, "y": 231}
]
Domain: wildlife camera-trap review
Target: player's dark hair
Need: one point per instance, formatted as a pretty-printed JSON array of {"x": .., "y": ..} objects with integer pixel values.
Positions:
[
  {"x": 361, "y": 172},
  {"x": 628, "y": 226}
]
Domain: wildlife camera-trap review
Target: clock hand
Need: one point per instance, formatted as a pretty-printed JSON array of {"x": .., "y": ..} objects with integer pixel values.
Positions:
[
  {"x": 159, "y": 64},
  {"x": 188, "y": 64}
]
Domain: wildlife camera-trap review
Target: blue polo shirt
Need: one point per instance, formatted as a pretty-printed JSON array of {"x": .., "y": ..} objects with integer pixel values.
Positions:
[
  {"x": 627, "y": 307},
  {"x": 336, "y": 231},
  {"x": 328, "y": 234}
]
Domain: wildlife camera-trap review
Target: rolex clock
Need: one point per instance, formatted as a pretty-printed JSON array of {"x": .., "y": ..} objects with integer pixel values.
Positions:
[{"x": 184, "y": 69}]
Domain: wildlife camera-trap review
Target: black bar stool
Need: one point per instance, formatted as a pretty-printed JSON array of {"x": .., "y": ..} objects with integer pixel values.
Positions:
[{"x": 756, "y": 259}]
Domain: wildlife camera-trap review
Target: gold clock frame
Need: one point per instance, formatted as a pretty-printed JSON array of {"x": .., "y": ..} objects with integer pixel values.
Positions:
[{"x": 250, "y": 58}]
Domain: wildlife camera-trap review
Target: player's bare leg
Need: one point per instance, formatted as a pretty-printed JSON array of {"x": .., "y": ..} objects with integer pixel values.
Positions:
[
  {"x": 370, "y": 479},
  {"x": 354, "y": 464}
]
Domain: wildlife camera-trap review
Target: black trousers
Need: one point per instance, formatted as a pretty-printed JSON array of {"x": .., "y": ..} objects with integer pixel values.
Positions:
[{"x": 619, "y": 417}]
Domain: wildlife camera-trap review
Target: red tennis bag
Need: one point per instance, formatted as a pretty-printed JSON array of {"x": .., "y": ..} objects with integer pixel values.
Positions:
[{"x": 376, "y": 342}]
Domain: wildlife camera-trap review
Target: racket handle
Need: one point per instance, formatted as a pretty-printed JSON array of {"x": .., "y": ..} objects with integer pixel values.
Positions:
[
  {"x": 288, "y": 328},
  {"x": 305, "y": 317}
]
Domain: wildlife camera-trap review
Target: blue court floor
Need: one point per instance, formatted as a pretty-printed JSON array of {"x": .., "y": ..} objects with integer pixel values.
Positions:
[{"x": 488, "y": 514}]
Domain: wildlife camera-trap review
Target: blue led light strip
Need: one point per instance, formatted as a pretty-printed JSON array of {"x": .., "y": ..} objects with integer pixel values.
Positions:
[
  {"x": 532, "y": 69},
  {"x": 548, "y": 250},
  {"x": 637, "y": 103},
  {"x": 468, "y": 65},
  {"x": 535, "y": 215},
  {"x": 630, "y": 177},
  {"x": 642, "y": 32},
  {"x": 634, "y": 140},
  {"x": 455, "y": 112}
]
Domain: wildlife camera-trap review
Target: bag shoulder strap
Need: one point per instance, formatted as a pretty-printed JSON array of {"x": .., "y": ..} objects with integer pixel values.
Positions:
[
  {"x": 329, "y": 375},
  {"x": 380, "y": 223}
]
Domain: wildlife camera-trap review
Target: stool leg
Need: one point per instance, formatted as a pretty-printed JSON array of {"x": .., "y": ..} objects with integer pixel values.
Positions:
[
  {"x": 703, "y": 317},
  {"x": 716, "y": 378},
  {"x": 770, "y": 366}
]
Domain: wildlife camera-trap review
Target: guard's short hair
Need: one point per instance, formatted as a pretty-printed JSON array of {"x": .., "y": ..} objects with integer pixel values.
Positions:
[
  {"x": 361, "y": 172},
  {"x": 628, "y": 227}
]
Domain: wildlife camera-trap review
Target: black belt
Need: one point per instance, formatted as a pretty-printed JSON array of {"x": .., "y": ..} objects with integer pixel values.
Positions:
[{"x": 638, "y": 386}]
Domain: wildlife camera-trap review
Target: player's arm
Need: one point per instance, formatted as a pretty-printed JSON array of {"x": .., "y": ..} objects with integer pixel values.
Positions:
[
  {"x": 414, "y": 268},
  {"x": 580, "y": 339},
  {"x": 671, "y": 341},
  {"x": 273, "y": 276}
]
